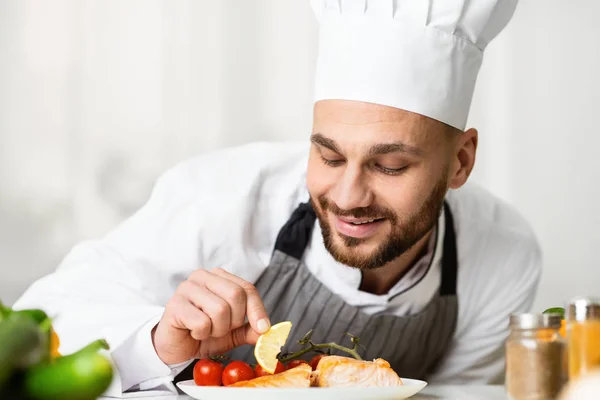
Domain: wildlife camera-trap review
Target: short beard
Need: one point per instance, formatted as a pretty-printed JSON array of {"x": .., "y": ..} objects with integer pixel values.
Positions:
[{"x": 403, "y": 237}]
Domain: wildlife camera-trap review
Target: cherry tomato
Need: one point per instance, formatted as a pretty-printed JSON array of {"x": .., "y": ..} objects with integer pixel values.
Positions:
[
  {"x": 237, "y": 371},
  {"x": 208, "y": 373},
  {"x": 259, "y": 371},
  {"x": 295, "y": 363},
  {"x": 315, "y": 361}
]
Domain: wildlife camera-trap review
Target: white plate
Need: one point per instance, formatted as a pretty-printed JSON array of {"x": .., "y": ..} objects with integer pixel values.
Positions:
[{"x": 410, "y": 388}]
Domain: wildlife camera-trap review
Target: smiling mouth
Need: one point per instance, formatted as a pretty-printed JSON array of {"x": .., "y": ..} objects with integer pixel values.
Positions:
[
  {"x": 359, "y": 228},
  {"x": 364, "y": 222}
]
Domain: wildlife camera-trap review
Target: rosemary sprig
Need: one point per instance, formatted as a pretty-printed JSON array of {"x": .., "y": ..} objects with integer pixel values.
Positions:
[{"x": 306, "y": 340}]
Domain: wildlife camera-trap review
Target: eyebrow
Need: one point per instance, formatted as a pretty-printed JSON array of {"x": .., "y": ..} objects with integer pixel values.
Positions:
[
  {"x": 321, "y": 140},
  {"x": 397, "y": 147},
  {"x": 378, "y": 149}
]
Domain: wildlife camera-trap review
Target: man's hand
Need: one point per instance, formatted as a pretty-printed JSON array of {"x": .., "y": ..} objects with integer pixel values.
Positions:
[{"x": 206, "y": 316}]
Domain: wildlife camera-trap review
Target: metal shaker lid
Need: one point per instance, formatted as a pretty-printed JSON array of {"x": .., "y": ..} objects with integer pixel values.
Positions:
[
  {"x": 583, "y": 309},
  {"x": 535, "y": 321}
]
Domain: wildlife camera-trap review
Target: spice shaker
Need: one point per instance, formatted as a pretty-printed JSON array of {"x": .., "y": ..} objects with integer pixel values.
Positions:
[
  {"x": 535, "y": 357},
  {"x": 583, "y": 335}
]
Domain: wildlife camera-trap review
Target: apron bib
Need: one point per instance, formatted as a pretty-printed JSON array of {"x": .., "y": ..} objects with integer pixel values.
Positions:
[{"x": 412, "y": 344}]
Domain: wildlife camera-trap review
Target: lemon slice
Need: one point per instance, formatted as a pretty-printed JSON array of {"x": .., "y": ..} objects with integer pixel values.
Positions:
[{"x": 269, "y": 344}]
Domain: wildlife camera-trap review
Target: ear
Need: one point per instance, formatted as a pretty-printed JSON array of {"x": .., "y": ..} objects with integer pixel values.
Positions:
[{"x": 463, "y": 158}]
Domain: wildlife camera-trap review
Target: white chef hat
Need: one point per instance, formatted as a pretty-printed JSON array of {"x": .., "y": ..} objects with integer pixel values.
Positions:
[{"x": 418, "y": 55}]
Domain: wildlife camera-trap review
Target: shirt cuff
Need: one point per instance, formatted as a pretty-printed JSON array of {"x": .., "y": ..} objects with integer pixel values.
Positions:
[{"x": 139, "y": 366}]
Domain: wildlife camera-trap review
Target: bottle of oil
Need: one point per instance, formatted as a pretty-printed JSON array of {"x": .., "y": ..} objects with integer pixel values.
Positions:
[{"x": 583, "y": 335}]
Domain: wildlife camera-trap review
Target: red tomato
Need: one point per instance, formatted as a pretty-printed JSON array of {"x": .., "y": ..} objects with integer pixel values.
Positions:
[
  {"x": 259, "y": 371},
  {"x": 315, "y": 360},
  {"x": 237, "y": 371},
  {"x": 208, "y": 373},
  {"x": 295, "y": 363}
]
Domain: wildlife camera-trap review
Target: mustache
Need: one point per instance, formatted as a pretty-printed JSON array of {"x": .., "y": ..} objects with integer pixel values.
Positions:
[{"x": 371, "y": 212}]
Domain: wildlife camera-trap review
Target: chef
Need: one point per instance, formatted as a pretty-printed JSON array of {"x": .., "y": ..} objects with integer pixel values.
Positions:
[{"x": 368, "y": 227}]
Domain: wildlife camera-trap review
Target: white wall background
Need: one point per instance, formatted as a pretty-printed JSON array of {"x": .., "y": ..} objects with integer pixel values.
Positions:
[{"x": 98, "y": 97}]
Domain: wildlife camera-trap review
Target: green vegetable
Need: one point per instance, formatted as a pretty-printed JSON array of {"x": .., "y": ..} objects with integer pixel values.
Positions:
[
  {"x": 21, "y": 344},
  {"x": 555, "y": 310},
  {"x": 27, "y": 371},
  {"x": 14, "y": 389},
  {"x": 38, "y": 316},
  {"x": 44, "y": 325},
  {"x": 83, "y": 375},
  {"x": 4, "y": 311}
]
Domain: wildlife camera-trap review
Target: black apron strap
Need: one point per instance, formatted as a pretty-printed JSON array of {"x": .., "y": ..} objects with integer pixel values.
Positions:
[
  {"x": 450, "y": 257},
  {"x": 294, "y": 236}
]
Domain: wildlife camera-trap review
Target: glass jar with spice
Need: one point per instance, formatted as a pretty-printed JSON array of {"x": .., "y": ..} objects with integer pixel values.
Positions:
[
  {"x": 535, "y": 357},
  {"x": 583, "y": 335}
]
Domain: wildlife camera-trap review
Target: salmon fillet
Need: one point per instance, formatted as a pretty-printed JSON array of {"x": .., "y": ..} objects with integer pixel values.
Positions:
[
  {"x": 298, "y": 377},
  {"x": 336, "y": 371}
]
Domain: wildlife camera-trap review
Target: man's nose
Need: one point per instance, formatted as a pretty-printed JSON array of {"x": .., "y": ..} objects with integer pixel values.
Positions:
[{"x": 352, "y": 189}]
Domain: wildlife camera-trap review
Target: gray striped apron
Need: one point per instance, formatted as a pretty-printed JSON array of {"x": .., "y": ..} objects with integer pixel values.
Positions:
[{"x": 412, "y": 344}]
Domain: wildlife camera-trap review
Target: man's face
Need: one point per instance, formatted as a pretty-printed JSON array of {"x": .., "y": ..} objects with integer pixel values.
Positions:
[{"x": 377, "y": 178}]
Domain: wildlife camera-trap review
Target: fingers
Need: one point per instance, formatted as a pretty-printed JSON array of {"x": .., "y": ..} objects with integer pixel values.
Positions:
[
  {"x": 207, "y": 315},
  {"x": 189, "y": 317},
  {"x": 216, "y": 308},
  {"x": 255, "y": 309},
  {"x": 228, "y": 290}
]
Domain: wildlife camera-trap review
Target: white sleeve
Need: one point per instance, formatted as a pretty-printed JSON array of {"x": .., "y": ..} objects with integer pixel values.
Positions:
[
  {"x": 476, "y": 355},
  {"x": 116, "y": 288}
]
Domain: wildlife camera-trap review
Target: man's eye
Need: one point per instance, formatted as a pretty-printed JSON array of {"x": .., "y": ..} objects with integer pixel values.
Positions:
[
  {"x": 331, "y": 163},
  {"x": 390, "y": 171}
]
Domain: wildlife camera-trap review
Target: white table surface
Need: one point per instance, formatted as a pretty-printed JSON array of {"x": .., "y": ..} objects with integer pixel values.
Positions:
[{"x": 431, "y": 392}]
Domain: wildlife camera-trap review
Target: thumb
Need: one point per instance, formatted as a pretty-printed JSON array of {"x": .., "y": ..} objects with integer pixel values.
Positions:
[
  {"x": 236, "y": 338},
  {"x": 244, "y": 335}
]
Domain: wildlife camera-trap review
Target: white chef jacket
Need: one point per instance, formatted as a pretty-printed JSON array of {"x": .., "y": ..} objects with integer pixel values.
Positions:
[{"x": 224, "y": 209}]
